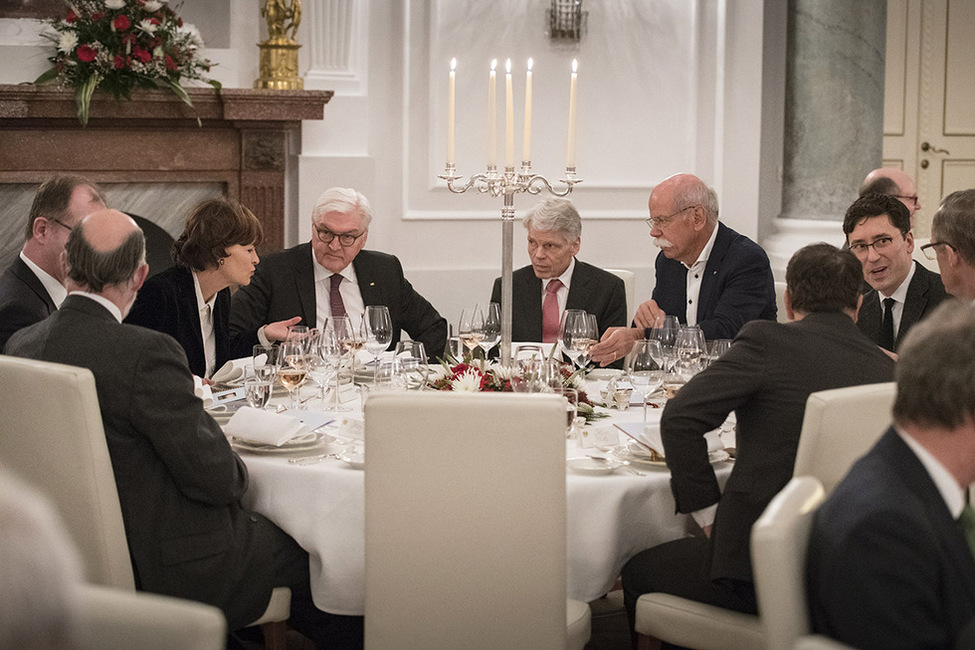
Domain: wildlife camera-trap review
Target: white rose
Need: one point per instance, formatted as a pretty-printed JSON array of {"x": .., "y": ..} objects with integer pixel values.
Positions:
[
  {"x": 68, "y": 42},
  {"x": 114, "y": 4},
  {"x": 152, "y": 5}
]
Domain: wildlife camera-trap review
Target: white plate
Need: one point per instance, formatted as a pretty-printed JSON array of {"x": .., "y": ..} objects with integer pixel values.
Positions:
[
  {"x": 637, "y": 455},
  {"x": 602, "y": 374},
  {"x": 304, "y": 442},
  {"x": 593, "y": 466},
  {"x": 354, "y": 459}
]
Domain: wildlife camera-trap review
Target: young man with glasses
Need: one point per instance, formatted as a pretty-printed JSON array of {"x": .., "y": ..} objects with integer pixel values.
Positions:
[
  {"x": 953, "y": 243},
  {"x": 333, "y": 276},
  {"x": 878, "y": 232}
]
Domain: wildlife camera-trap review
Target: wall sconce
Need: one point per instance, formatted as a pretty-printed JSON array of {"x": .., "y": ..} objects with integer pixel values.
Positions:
[{"x": 566, "y": 20}]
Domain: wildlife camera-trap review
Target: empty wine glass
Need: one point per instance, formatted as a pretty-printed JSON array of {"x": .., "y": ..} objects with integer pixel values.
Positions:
[
  {"x": 297, "y": 333},
  {"x": 317, "y": 367},
  {"x": 645, "y": 369},
  {"x": 265, "y": 362},
  {"x": 413, "y": 359},
  {"x": 689, "y": 352},
  {"x": 490, "y": 328},
  {"x": 572, "y": 320},
  {"x": 292, "y": 371},
  {"x": 716, "y": 348},
  {"x": 586, "y": 336},
  {"x": 332, "y": 350},
  {"x": 377, "y": 330},
  {"x": 665, "y": 331},
  {"x": 469, "y": 329}
]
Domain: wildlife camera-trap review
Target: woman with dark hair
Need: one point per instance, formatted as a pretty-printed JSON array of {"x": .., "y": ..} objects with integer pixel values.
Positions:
[{"x": 191, "y": 300}]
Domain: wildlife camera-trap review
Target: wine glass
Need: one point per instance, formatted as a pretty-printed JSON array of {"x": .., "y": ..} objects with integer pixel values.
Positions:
[
  {"x": 690, "y": 350},
  {"x": 665, "y": 331},
  {"x": 570, "y": 398},
  {"x": 490, "y": 328},
  {"x": 470, "y": 327},
  {"x": 716, "y": 348},
  {"x": 349, "y": 337},
  {"x": 567, "y": 332},
  {"x": 292, "y": 371},
  {"x": 317, "y": 367},
  {"x": 265, "y": 362},
  {"x": 586, "y": 335},
  {"x": 413, "y": 359},
  {"x": 257, "y": 391},
  {"x": 331, "y": 350},
  {"x": 377, "y": 329},
  {"x": 297, "y": 333},
  {"x": 645, "y": 369}
]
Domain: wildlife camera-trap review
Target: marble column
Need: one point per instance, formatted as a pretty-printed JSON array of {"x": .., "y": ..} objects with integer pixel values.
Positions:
[{"x": 834, "y": 108}]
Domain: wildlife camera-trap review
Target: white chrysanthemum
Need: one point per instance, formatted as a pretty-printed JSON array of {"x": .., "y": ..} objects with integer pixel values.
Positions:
[
  {"x": 114, "y": 4},
  {"x": 578, "y": 382},
  {"x": 157, "y": 52},
  {"x": 152, "y": 5},
  {"x": 436, "y": 373},
  {"x": 196, "y": 40},
  {"x": 147, "y": 26},
  {"x": 502, "y": 373},
  {"x": 68, "y": 42},
  {"x": 469, "y": 382}
]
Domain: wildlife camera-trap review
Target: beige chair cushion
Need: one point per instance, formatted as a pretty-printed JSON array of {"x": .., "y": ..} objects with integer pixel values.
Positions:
[{"x": 695, "y": 625}]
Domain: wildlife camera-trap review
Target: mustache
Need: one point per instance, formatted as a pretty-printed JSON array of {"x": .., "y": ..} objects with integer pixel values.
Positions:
[{"x": 661, "y": 242}]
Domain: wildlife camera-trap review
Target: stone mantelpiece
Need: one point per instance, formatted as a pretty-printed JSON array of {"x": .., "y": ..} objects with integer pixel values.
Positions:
[{"x": 247, "y": 141}]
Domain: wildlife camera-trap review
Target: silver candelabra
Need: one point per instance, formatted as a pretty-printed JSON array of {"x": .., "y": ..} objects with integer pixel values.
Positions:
[{"x": 507, "y": 184}]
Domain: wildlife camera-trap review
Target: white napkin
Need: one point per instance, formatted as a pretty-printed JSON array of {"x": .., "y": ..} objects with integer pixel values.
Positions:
[
  {"x": 650, "y": 434},
  {"x": 263, "y": 426},
  {"x": 232, "y": 370},
  {"x": 203, "y": 391}
]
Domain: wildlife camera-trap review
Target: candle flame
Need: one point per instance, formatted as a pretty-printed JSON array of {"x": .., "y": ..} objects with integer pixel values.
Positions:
[
  {"x": 575, "y": 65},
  {"x": 530, "y": 61},
  {"x": 494, "y": 64},
  {"x": 507, "y": 66},
  {"x": 453, "y": 63}
]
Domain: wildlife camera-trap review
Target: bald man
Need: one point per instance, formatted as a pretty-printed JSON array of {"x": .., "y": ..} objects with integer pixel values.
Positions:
[
  {"x": 896, "y": 183},
  {"x": 179, "y": 482}
]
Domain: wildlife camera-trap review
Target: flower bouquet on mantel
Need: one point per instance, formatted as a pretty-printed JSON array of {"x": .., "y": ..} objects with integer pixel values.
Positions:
[
  {"x": 119, "y": 45},
  {"x": 479, "y": 375}
]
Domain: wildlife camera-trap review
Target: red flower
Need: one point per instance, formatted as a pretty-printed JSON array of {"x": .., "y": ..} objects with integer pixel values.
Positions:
[
  {"x": 170, "y": 64},
  {"x": 98, "y": 15},
  {"x": 121, "y": 23},
  {"x": 71, "y": 17},
  {"x": 140, "y": 54},
  {"x": 85, "y": 53},
  {"x": 154, "y": 21},
  {"x": 120, "y": 62}
]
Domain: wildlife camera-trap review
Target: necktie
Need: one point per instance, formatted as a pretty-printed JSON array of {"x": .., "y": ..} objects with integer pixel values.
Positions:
[
  {"x": 335, "y": 297},
  {"x": 967, "y": 521},
  {"x": 209, "y": 341},
  {"x": 550, "y": 312},
  {"x": 887, "y": 326}
]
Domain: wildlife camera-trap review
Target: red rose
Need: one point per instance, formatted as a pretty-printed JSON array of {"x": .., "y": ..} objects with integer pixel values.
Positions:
[
  {"x": 119, "y": 62},
  {"x": 85, "y": 53},
  {"x": 121, "y": 23},
  {"x": 71, "y": 17},
  {"x": 170, "y": 64},
  {"x": 98, "y": 15},
  {"x": 154, "y": 21},
  {"x": 142, "y": 55}
]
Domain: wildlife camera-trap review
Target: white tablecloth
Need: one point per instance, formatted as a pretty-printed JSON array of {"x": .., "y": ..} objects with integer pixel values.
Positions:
[{"x": 610, "y": 518}]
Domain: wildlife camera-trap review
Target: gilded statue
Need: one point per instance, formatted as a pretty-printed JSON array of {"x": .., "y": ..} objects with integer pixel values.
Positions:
[{"x": 282, "y": 20}]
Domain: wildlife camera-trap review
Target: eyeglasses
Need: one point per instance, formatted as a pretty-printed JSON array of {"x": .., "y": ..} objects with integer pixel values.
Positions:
[
  {"x": 929, "y": 249},
  {"x": 60, "y": 223},
  {"x": 345, "y": 239},
  {"x": 912, "y": 198},
  {"x": 879, "y": 244},
  {"x": 660, "y": 222}
]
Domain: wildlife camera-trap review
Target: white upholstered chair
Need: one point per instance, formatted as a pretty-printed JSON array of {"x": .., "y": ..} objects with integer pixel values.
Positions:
[
  {"x": 53, "y": 438},
  {"x": 465, "y": 523},
  {"x": 839, "y": 426},
  {"x": 780, "y": 314},
  {"x": 818, "y": 642},
  {"x": 688, "y": 623},
  {"x": 629, "y": 283}
]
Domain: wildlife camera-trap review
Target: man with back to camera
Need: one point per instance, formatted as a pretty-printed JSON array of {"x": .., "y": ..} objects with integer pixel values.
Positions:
[{"x": 953, "y": 243}]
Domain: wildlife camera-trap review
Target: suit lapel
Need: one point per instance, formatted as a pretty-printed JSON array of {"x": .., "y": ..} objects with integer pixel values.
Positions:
[
  {"x": 304, "y": 278},
  {"x": 578, "y": 288},
  {"x": 709, "y": 282},
  {"x": 915, "y": 303},
  {"x": 192, "y": 339},
  {"x": 26, "y": 275},
  {"x": 869, "y": 316},
  {"x": 372, "y": 291}
]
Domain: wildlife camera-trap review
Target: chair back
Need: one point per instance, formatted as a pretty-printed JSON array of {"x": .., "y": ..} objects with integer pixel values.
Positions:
[
  {"x": 839, "y": 426},
  {"x": 465, "y": 520},
  {"x": 53, "y": 438},
  {"x": 780, "y": 315},
  {"x": 629, "y": 284},
  {"x": 779, "y": 541}
]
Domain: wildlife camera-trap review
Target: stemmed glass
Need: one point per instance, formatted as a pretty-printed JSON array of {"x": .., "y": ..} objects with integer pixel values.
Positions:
[
  {"x": 573, "y": 320},
  {"x": 586, "y": 336},
  {"x": 318, "y": 368},
  {"x": 470, "y": 327},
  {"x": 297, "y": 333},
  {"x": 645, "y": 369},
  {"x": 292, "y": 372},
  {"x": 265, "y": 362},
  {"x": 331, "y": 350},
  {"x": 377, "y": 329},
  {"x": 665, "y": 331},
  {"x": 716, "y": 348},
  {"x": 490, "y": 329},
  {"x": 349, "y": 337},
  {"x": 690, "y": 350},
  {"x": 413, "y": 361}
]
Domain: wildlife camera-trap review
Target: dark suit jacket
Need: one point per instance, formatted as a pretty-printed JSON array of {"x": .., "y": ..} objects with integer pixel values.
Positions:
[
  {"x": 179, "y": 482},
  {"x": 23, "y": 300},
  {"x": 765, "y": 378},
  {"x": 887, "y": 566},
  {"x": 737, "y": 286},
  {"x": 167, "y": 303},
  {"x": 924, "y": 293},
  {"x": 591, "y": 289},
  {"x": 284, "y": 286}
]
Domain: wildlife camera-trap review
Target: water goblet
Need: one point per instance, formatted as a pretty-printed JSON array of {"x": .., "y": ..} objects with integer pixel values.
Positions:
[
  {"x": 377, "y": 330},
  {"x": 470, "y": 327},
  {"x": 568, "y": 329},
  {"x": 257, "y": 391},
  {"x": 490, "y": 329},
  {"x": 331, "y": 350},
  {"x": 297, "y": 333},
  {"x": 645, "y": 369},
  {"x": 716, "y": 348},
  {"x": 413, "y": 358},
  {"x": 665, "y": 331},
  {"x": 689, "y": 352},
  {"x": 265, "y": 362}
]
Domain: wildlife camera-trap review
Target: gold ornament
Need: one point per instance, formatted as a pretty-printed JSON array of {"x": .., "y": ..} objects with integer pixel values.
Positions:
[{"x": 279, "y": 53}]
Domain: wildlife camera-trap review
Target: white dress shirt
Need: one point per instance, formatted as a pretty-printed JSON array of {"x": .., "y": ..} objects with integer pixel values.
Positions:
[
  {"x": 695, "y": 276},
  {"x": 104, "y": 302},
  {"x": 349, "y": 289},
  {"x": 900, "y": 297},
  {"x": 206, "y": 326}
]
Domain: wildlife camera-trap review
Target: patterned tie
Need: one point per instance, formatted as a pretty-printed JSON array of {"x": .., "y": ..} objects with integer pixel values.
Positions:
[
  {"x": 887, "y": 326},
  {"x": 967, "y": 521},
  {"x": 550, "y": 312},
  {"x": 335, "y": 297}
]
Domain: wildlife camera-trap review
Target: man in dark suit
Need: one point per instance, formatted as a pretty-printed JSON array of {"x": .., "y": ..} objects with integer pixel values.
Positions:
[
  {"x": 889, "y": 563},
  {"x": 179, "y": 483},
  {"x": 554, "y": 236},
  {"x": 33, "y": 286},
  {"x": 765, "y": 378},
  {"x": 953, "y": 243},
  {"x": 878, "y": 232},
  {"x": 706, "y": 273},
  {"x": 333, "y": 274}
]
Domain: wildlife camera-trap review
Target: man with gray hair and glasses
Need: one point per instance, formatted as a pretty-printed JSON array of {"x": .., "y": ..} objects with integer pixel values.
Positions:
[
  {"x": 953, "y": 243},
  {"x": 555, "y": 280},
  {"x": 890, "y": 561},
  {"x": 332, "y": 275}
]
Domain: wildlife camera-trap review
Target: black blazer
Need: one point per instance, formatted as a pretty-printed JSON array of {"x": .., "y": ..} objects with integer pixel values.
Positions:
[
  {"x": 924, "y": 293},
  {"x": 23, "y": 300},
  {"x": 765, "y": 378},
  {"x": 591, "y": 289},
  {"x": 888, "y": 566},
  {"x": 737, "y": 286},
  {"x": 179, "y": 482},
  {"x": 284, "y": 286},
  {"x": 167, "y": 304}
]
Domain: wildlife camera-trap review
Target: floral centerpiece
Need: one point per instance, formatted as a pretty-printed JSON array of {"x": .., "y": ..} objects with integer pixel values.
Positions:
[
  {"x": 478, "y": 375},
  {"x": 119, "y": 45}
]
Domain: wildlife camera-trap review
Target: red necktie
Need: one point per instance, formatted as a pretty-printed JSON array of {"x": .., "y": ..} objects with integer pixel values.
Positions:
[
  {"x": 550, "y": 312},
  {"x": 334, "y": 297}
]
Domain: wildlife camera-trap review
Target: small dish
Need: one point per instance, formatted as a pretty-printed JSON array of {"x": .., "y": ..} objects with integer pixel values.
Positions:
[
  {"x": 354, "y": 459},
  {"x": 602, "y": 374},
  {"x": 593, "y": 466},
  {"x": 303, "y": 442}
]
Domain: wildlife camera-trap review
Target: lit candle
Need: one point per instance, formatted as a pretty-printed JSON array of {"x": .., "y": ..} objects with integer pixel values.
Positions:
[
  {"x": 492, "y": 130},
  {"x": 450, "y": 114},
  {"x": 527, "y": 143},
  {"x": 509, "y": 119},
  {"x": 570, "y": 157}
]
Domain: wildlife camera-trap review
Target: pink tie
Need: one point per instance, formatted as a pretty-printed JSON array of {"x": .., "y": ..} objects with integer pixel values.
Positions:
[
  {"x": 550, "y": 312},
  {"x": 335, "y": 298}
]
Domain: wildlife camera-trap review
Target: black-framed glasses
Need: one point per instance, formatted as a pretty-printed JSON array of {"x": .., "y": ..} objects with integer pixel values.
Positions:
[
  {"x": 345, "y": 239},
  {"x": 860, "y": 249},
  {"x": 60, "y": 223},
  {"x": 929, "y": 249},
  {"x": 912, "y": 198},
  {"x": 660, "y": 222}
]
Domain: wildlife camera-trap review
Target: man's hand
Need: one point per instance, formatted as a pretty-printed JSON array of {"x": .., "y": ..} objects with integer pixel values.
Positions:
[
  {"x": 615, "y": 344},
  {"x": 279, "y": 331},
  {"x": 649, "y": 314}
]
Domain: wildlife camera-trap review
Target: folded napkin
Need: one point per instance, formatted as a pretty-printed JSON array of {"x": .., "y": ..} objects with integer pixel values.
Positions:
[
  {"x": 203, "y": 391},
  {"x": 232, "y": 370},
  {"x": 649, "y": 435},
  {"x": 263, "y": 426}
]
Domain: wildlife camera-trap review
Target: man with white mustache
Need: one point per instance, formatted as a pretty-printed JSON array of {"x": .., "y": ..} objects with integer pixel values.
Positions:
[{"x": 706, "y": 273}]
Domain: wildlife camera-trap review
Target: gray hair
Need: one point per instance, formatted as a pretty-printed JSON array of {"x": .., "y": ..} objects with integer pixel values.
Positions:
[
  {"x": 954, "y": 223},
  {"x": 344, "y": 200},
  {"x": 698, "y": 193},
  {"x": 936, "y": 369},
  {"x": 559, "y": 215},
  {"x": 97, "y": 269}
]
